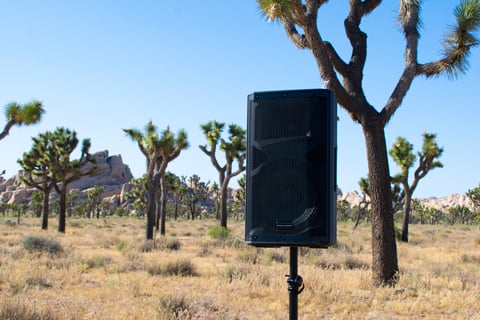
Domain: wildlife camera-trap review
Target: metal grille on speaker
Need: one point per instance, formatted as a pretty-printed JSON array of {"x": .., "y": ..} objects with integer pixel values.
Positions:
[{"x": 290, "y": 168}]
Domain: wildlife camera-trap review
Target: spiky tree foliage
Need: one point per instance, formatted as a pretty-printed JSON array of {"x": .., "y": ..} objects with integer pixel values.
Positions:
[
  {"x": 159, "y": 150},
  {"x": 240, "y": 195},
  {"x": 474, "y": 195},
  {"x": 138, "y": 195},
  {"x": 345, "y": 79},
  {"x": 178, "y": 190},
  {"x": 362, "y": 211},
  {"x": 196, "y": 193},
  {"x": 36, "y": 203},
  {"x": 234, "y": 149},
  {"x": 36, "y": 167},
  {"x": 49, "y": 165},
  {"x": 402, "y": 154},
  {"x": 94, "y": 199},
  {"x": 61, "y": 144},
  {"x": 21, "y": 114}
]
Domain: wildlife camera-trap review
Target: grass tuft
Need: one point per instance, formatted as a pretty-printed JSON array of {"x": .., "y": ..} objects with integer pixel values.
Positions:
[
  {"x": 42, "y": 244},
  {"x": 22, "y": 311},
  {"x": 182, "y": 267}
]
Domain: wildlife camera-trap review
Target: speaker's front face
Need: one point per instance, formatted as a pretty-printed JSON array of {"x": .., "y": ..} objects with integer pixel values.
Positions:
[{"x": 290, "y": 168}]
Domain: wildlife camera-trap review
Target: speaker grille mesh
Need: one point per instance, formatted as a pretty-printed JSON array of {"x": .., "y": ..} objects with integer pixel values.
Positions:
[
  {"x": 290, "y": 168},
  {"x": 297, "y": 117}
]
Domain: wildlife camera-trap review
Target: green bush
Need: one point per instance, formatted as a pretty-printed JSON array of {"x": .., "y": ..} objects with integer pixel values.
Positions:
[
  {"x": 218, "y": 232},
  {"x": 9, "y": 222},
  {"x": 34, "y": 243}
]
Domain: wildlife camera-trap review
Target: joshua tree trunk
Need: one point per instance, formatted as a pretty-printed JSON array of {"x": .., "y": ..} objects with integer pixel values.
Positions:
[
  {"x": 62, "y": 217},
  {"x": 46, "y": 205},
  {"x": 223, "y": 203},
  {"x": 163, "y": 204},
  {"x": 406, "y": 214},
  {"x": 385, "y": 264},
  {"x": 151, "y": 212}
]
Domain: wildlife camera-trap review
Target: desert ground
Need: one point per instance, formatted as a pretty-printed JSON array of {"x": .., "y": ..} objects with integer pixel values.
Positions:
[{"x": 104, "y": 269}]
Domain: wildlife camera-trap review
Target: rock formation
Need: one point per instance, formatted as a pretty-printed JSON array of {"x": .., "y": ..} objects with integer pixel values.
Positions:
[
  {"x": 111, "y": 174},
  {"x": 440, "y": 203}
]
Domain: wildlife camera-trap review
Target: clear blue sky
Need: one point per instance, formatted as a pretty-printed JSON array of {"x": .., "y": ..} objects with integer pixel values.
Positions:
[{"x": 100, "y": 66}]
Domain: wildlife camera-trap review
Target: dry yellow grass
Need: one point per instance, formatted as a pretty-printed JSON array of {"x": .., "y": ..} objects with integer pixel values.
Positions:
[{"x": 106, "y": 271}]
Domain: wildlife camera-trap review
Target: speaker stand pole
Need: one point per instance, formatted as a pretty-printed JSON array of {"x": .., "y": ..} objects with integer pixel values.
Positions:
[{"x": 295, "y": 284}]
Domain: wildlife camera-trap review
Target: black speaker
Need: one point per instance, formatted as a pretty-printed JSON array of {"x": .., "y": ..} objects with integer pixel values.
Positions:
[{"x": 291, "y": 168}]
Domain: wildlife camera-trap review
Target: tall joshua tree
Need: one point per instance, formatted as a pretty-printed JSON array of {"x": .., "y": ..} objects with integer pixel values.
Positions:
[
  {"x": 235, "y": 150},
  {"x": 159, "y": 150},
  {"x": 345, "y": 79},
  {"x": 402, "y": 154}
]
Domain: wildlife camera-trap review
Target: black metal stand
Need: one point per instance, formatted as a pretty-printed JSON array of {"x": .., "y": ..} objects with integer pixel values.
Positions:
[{"x": 295, "y": 283}]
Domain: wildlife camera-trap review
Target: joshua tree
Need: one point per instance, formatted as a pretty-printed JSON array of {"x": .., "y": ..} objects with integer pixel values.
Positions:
[
  {"x": 48, "y": 165},
  {"x": 345, "y": 79},
  {"x": 94, "y": 200},
  {"x": 159, "y": 149},
  {"x": 474, "y": 195},
  {"x": 61, "y": 143},
  {"x": 364, "y": 185},
  {"x": 402, "y": 153},
  {"x": 18, "y": 115},
  {"x": 234, "y": 150},
  {"x": 36, "y": 168},
  {"x": 138, "y": 195},
  {"x": 21, "y": 114},
  {"x": 196, "y": 193},
  {"x": 178, "y": 190}
]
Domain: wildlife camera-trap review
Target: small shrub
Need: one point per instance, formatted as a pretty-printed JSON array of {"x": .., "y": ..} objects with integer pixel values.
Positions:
[
  {"x": 122, "y": 246},
  {"x": 97, "y": 262},
  {"x": 236, "y": 243},
  {"x": 154, "y": 270},
  {"x": 352, "y": 263},
  {"x": 34, "y": 243},
  {"x": 173, "y": 307},
  {"x": 218, "y": 233},
  {"x": 9, "y": 222},
  {"x": 237, "y": 272},
  {"x": 37, "y": 282},
  {"x": 181, "y": 267},
  {"x": 249, "y": 256},
  {"x": 147, "y": 246},
  {"x": 173, "y": 245},
  {"x": 75, "y": 224},
  {"x": 204, "y": 251},
  {"x": 273, "y": 256}
]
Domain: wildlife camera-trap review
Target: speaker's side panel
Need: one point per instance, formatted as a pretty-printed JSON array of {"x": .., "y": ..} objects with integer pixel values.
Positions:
[
  {"x": 291, "y": 198},
  {"x": 251, "y": 154},
  {"x": 332, "y": 168}
]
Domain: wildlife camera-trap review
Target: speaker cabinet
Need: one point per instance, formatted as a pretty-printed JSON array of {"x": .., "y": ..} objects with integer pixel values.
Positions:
[{"x": 291, "y": 169}]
